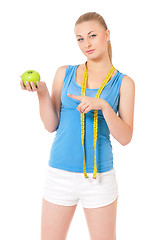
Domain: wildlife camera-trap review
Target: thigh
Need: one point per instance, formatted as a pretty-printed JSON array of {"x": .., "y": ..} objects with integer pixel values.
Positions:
[
  {"x": 55, "y": 220},
  {"x": 101, "y": 221}
]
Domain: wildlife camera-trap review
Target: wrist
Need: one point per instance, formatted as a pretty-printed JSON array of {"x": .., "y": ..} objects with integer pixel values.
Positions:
[
  {"x": 42, "y": 92},
  {"x": 104, "y": 104}
]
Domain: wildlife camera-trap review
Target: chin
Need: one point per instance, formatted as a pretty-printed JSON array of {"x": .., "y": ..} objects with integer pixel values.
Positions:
[
  {"x": 94, "y": 57},
  {"x": 91, "y": 56}
]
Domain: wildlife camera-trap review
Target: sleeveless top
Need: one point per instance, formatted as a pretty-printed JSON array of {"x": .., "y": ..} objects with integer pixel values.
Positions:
[{"x": 67, "y": 151}]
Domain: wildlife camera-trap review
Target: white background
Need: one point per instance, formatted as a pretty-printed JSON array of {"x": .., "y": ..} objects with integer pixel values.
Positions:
[{"x": 39, "y": 35}]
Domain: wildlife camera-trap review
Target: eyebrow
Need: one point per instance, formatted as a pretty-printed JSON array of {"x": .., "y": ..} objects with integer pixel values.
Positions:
[{"x": 88, "y": 33}]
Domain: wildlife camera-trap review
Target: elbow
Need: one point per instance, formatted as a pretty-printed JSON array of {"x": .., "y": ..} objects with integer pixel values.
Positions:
[
  {"x": 52, "y": 128},
  {"x": 125, "y": 143},
  {"x": 49, "y": 129},
  {"x": 127, "y": 140}
]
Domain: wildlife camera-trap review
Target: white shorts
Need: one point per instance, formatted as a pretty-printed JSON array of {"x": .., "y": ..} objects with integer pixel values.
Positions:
[{"x": 67, "y": 188}]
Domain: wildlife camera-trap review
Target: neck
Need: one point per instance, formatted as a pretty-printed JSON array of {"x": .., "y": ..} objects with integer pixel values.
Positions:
[{"x": 102, "y": 65}]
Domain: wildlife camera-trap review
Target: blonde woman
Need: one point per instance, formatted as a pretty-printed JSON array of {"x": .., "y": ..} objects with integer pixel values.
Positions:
[{"x": 82, "y": 109}]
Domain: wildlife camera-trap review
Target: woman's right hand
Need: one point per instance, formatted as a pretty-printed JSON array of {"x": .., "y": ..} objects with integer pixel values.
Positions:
[{"x": 41, "y": 86}]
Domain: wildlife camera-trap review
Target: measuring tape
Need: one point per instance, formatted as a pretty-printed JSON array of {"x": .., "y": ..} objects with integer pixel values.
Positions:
[{"x": 95, "y": 117}]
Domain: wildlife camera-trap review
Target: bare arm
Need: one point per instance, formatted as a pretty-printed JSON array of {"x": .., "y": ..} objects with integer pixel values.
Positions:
[
  {"x": 50, "y": 105},
  {"x": 47, "y": 112},
  {"x": 121, "y": 127}
]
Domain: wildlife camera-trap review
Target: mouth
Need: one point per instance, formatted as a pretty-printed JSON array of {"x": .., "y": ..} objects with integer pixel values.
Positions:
[{"x": 90, "y": 51}]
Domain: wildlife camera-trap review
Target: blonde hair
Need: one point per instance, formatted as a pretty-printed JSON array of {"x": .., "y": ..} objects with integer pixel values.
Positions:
[{"x": 95, "y": 16}]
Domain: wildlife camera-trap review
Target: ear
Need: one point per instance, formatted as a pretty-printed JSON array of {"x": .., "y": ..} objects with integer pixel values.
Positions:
[{"x": 108, "y": 34}]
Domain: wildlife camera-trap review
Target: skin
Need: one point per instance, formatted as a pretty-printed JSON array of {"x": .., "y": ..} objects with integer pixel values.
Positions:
[
  {"x": 101, "y": 221},
  {"x": 41, "y": 86},
  {"x": 98, "y": 66},
  {"x": 98, "y": 63},
  {"x": 121, "y": 127}
]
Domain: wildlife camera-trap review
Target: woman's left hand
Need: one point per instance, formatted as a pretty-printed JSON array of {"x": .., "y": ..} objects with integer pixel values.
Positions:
[{"x": 88, "y": 103}]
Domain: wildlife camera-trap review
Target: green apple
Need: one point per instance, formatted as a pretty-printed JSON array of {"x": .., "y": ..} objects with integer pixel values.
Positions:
[{"x": 30, "y": 76}]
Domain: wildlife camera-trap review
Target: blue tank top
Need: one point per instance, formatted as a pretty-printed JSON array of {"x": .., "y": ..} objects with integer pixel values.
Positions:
[{"x": 67, "y": 150}]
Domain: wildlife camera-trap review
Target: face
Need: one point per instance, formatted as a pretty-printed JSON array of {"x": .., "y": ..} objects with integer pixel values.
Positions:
[{"x": 91, "y": 35}]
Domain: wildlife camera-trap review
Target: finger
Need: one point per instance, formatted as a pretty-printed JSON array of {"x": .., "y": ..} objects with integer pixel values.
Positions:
[
  {"x": 33, "y": 86},
  {"x": 75, "y": 96},
  {"x": 22, "y": 85},
  {"x": 28, "y": 86},
  {"x": 87, "y": 109},
  {"x": 82, "y": 106},
  {"x": 37, "y": 83}
]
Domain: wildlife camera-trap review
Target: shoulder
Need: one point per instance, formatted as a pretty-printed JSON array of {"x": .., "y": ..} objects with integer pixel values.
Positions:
[
  {"x": 61, "y": 69},
  {"x": 127, "y": 85},
  {"x": 59, "y": 76},
  {"x": 60, "y": 73}
]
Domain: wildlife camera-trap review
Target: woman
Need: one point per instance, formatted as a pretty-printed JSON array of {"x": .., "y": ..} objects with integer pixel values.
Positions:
[{"x": 81, "y": 159}]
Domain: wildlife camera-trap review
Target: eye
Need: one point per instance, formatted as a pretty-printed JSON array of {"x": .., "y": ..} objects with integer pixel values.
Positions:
[
  {"x": 93, "y": 35},
  {"x": 79, "y": 39},
  {"x": 82, "y": 38}
]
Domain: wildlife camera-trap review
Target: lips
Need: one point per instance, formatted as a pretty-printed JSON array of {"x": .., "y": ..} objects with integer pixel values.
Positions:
[{"x": 90, "y": 51}]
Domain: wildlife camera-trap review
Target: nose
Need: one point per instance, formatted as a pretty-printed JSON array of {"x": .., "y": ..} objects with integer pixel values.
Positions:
[{"x": 87, "y": 43}]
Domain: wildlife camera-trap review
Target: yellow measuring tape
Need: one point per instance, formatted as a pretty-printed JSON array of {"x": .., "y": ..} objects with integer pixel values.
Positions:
[{"x": 95, "y": 116}]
